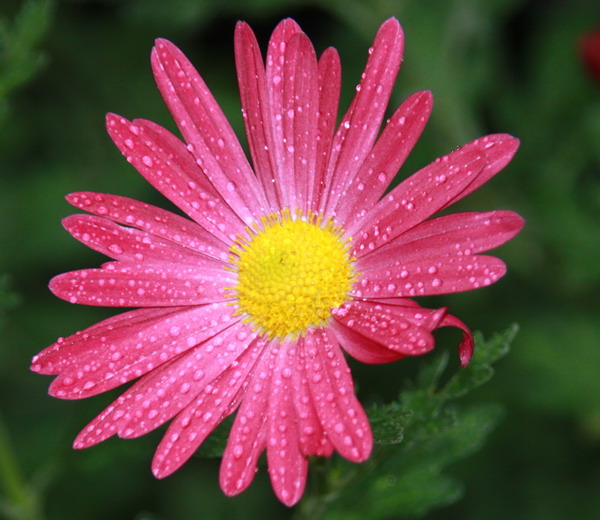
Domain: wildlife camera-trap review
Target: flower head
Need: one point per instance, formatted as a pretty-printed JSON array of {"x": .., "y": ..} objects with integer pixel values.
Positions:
[{"x": 246, "y": 305}]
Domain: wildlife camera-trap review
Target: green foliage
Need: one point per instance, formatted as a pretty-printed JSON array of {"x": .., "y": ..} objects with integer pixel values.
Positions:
[
  {"x": 416, "y": 438},
  {"x": 19, "y": 57},
  {"x": 8, "y": 299}
]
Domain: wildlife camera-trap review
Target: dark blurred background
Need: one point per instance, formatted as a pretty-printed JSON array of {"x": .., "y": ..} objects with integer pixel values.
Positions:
[{"x": 512, "y": 66}]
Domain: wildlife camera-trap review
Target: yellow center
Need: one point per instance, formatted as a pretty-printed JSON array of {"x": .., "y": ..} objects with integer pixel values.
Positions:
[{"x": 291, "y": 273}]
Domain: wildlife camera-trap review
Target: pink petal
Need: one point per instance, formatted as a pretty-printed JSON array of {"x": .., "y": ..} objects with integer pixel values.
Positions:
[
  {"x": 416, "y": 199},
  {"x": 138, "y": 285},
  {"x": 360, "y": 126},
  {"x": 151, "y": 219},
  {"x": 420, "y": 317},
  {"x": 165, "y": 391},
  {"x": 248, "y": 436},
  {"x": 385, "y": 159},
  {"x": 298, "y": 107},
  {"x": 281, "y": 111},
  {"x": 441, "y": 275},
  {"x": 340, "y": 413},
  {"x": 129, "y": 244},
  {"x": 288, "y": 466},
  {"x": 280, "y": 70},
  {"x": 312, "y": 438},
  {"x": 210, "y": 138},
  {"x": 449, "y": 235},
  {"x": 467, "y": 344},
  {"x": 256, "y": 110},
  {"x": 165, "y": 163},
  {"x": 361, "y": 348},
  {"x": 499, "y": 150},
  {"x": 51, "y": 360},
  {"x": 93, "y": 362},
  {"x": 196, "y": 422},
  {"x": 388, "y": 325},
  {"x": 330, "y": 82}
]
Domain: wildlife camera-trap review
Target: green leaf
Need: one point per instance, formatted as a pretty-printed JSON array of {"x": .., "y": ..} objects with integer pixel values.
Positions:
[
  {"x": 480, "y": 370},
  {"x": 19, "y": 57}
]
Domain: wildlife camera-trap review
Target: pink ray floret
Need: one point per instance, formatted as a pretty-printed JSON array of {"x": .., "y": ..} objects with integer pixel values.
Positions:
[{"x": 194, "y": 358}]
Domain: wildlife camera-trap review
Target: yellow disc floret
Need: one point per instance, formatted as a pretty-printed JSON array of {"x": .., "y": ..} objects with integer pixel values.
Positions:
[{"x": 290, "y": 273}]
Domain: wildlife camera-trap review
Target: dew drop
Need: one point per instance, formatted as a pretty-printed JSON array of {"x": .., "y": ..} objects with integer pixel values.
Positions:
[
  {"x": 147, "y": 160},
  {"x": 237, "y": 451}
]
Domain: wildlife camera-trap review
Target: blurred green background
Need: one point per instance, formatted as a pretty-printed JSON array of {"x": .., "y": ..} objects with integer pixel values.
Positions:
[{"x": 493, "y": 66}]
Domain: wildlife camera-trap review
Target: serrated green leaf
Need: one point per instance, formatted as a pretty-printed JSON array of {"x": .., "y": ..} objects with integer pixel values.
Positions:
[
  {"x": 388, "y": 422},
  {"x": 430, "y": 374},
  {"x": 479, "y": 371}
]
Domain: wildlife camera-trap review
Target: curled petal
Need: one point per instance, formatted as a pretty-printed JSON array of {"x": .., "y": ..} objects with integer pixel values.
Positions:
[
  {"x": 388, "y": 326},
  {"x": 467, "y": 344}
]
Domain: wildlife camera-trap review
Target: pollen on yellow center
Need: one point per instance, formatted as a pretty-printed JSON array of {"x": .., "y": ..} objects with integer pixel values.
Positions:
[{"x": 290, "y": 273}]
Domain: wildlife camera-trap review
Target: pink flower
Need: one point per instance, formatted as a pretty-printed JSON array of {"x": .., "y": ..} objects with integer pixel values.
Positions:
[{"x": 248, "y": 305}]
